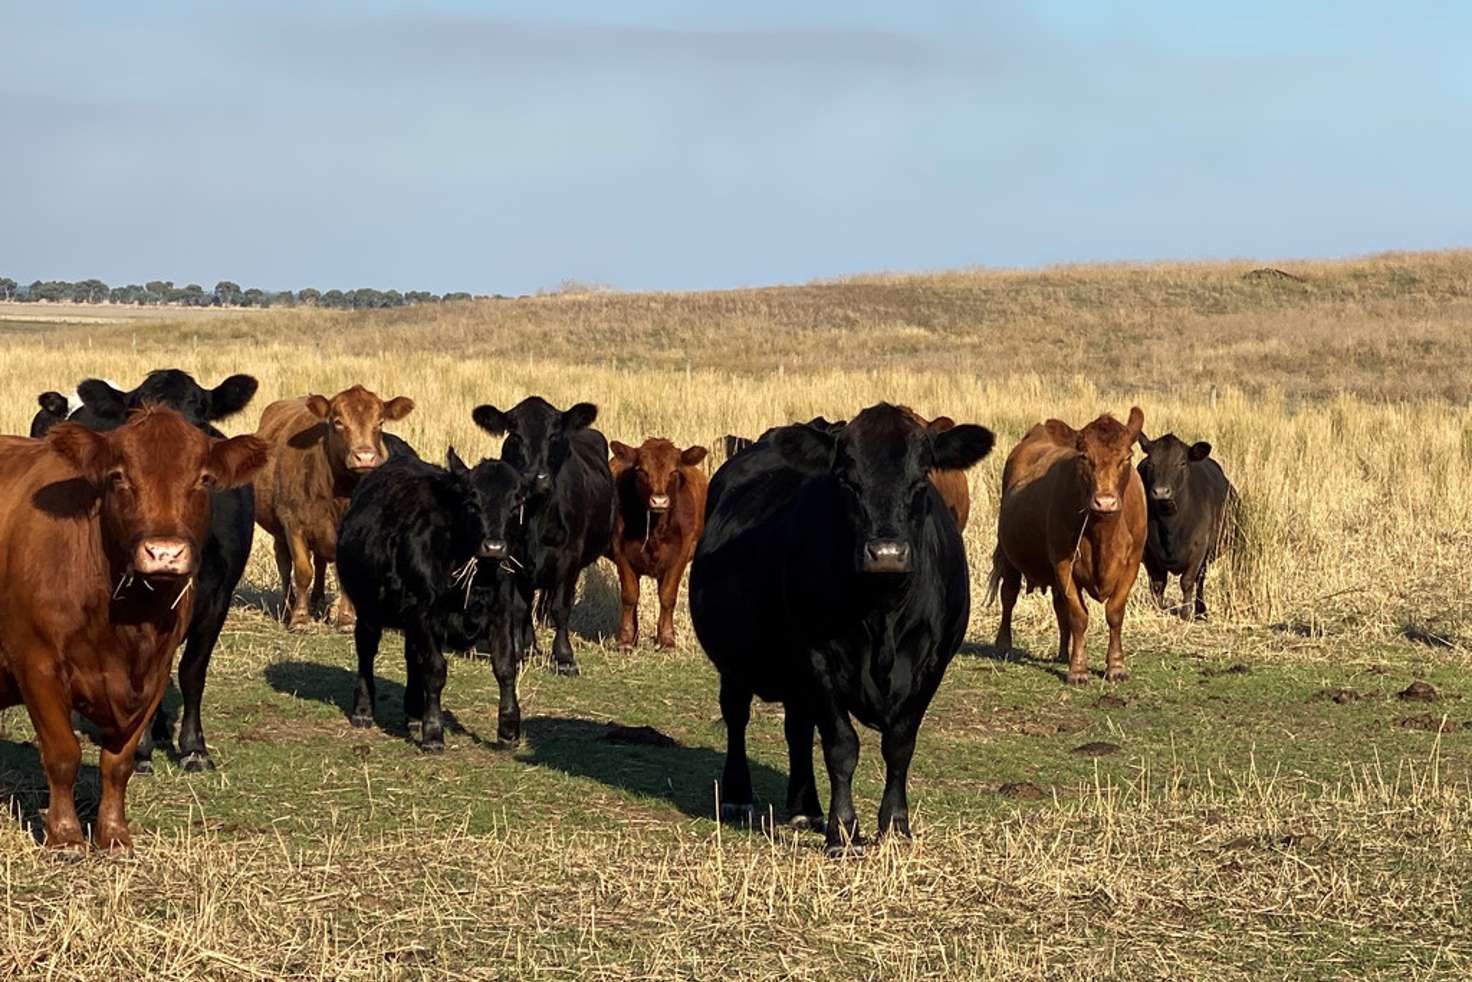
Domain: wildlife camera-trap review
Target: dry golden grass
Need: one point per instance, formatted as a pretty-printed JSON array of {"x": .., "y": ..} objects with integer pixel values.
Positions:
[{"x": 1338, "y": 406}]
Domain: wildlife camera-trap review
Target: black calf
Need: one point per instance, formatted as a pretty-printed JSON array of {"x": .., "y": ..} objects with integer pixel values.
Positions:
[
  {"x": 431, "y": 552},
  {"x": 1189, "y": 500}
]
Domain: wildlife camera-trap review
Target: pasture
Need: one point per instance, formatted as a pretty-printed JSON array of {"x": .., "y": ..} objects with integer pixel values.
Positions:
[{"x": 1259, "y": 798}]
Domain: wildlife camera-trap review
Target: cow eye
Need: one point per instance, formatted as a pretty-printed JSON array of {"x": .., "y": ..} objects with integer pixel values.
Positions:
[
  {"x": 206, "y": 480},
  {"x": 337, "y": 422}
]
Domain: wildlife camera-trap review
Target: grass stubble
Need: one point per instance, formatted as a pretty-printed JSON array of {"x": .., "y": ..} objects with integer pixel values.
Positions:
[{"x": 1272, "y": 808}]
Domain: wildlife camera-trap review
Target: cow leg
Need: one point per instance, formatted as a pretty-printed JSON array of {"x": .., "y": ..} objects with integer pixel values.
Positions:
[
  {"x": 1073, "y": 622},
  {"x": 115, "y": 761},
  {"x": 318, "y": 605},
  {"x": 413, "y": 682},
  {"x": 204, "y": 633},
  {"x": 736, "y": 796},
  {"x": 347, "y": 614},
  {"x": 1201, "y": 592},
  {"x": 803, "y": 809},
  {"x": 154, "y": 734},
  {"x": 282, "y": 547},
  {"x": 897, "y": 744},
  {"x": 841, "y": 755},
  {"x": 508, "y": 713},
  {"x": 366, "y": 636},
  {"x": 1190, "y": 586},
  {"x": 669, "y": 596},
  {"x": 301, "y": 580},
  {"x": 1009, "y": 587},
  {"x": 432, "y": 671},
  {"x": 628, "y": 621},
  {"x": 560, "y": 608},
  {"x": 1158, "y": 576},
  {"x": 50, "y": 710},
  {"x": 1114, "y": 670}
]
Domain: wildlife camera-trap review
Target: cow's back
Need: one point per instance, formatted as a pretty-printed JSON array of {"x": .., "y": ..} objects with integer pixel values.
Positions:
[
  {"x": 296, "y": 485},
  {"x": 1036, "y": 521},
  {"x": 592, "y": 502}
]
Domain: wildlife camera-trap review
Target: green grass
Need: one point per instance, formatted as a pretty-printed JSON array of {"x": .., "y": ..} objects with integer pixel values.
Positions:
[{"x": 1240, "y": 804}]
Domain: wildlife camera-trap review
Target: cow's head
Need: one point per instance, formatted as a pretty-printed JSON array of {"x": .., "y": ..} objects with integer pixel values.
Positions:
[
  {"x": 1105, "y": 459},
  {"x": 491, "y": 497},
  {"x": 177, "y": 390},
  {"x": 655, "y": 465},
  {"x": 1164, "y": 470},
  {"x": 537, "y": 436},
  {"x": 355, "y": 419},
  {"x": 154, "y": 475},
  {"x": 881, "y": 462}
]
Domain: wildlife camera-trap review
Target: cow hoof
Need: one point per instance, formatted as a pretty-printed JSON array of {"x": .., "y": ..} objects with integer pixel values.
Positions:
[
  {"x": 346, "y": 628},
  {"x": 196, "y": 762},
  {"x": 433, "y": 746},
  {"x": 625, "y": 644},
  {"x": 69, "y": 852},
  {"x": 507, "y": 746},
  {"x": 568, "y": 668},
  {"x": 1116, "y": 675},
  {"x": 743, "y": 815},
  {"x": 666, "y": 644},
  {"x": 360, "y": 721},
  {"x": 845, "y": 850},
  {"x": 1077, "y": 678},
  {"x": 807, "y": 823},
  {"x": 142, "y": 766}
]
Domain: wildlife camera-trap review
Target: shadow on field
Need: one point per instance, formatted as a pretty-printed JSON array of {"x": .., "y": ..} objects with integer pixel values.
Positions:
[
  {"x": 669, "y": 772},
  {"x": 1017, "y": 656},
  {"x": 333, "y": 686},
  {"x": 595, "y": 615},
  {"x": 23, "y": 788}
]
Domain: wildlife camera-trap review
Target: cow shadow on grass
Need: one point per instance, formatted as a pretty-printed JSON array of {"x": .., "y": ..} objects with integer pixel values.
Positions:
[
  {"x": 1017, "y": 656},
  {"x": 23, "y": 791},
  {"x": 595, "y": 615},
  {"x": 333, "y": 686},
  {"x": 660, "y": 769}
]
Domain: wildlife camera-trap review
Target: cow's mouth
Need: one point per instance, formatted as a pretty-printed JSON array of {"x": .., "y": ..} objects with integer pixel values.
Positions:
[
  {"x": 1166, "y": 506},
  {"x": 659, "y": 503}
]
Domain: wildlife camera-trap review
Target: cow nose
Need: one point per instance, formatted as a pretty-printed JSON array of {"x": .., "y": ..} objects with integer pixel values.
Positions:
[
  {"x": 163, "y": 556},
  {"x": 363, "y": 459},
  {"x": 659, "y": 502},
  {"x": 886, "y": 556},
  {"x": 1160, "y": 492},
  {"x": 493, "y": 549},
  {"x": 1105, "y": 504}
]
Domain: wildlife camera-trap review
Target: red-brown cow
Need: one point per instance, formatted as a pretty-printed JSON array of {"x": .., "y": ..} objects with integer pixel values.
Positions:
[
  {"x": 1073, "y": 520},
  {"x": 321, "y": 448},
  {"x": 954, "y": 486},
  {"x": 661, "y": 513},
  {"x": 100, "y": 538}
]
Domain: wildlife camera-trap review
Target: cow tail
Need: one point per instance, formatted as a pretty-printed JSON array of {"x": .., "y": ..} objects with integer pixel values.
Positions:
[
  {"x": 994, "y": 581},
  {"x": 541, "y": 608}
]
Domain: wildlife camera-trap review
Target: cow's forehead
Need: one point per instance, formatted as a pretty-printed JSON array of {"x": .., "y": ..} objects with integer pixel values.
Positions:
[
  {"x": 160, "y": 442},
  {"x": 357, "y": 402},
  {"x": 882, "y": 432},
  {"x": 658, "y": 452}
]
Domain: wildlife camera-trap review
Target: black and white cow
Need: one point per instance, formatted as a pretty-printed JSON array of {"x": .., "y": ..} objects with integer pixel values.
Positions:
[{"x": 831, "y": 578}]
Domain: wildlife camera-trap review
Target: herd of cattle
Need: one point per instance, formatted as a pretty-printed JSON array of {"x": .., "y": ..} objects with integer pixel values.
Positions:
[{"x": 827, "y": 567}]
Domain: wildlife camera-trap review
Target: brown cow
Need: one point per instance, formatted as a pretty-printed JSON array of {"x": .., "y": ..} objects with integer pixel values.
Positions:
[
  {"x": 660, "y": 515},
  {"x": 321, "y": 448},
  {"x": 1073, "y": 519},
  {"x": 100, "y": 538},
  {"x": 954, "y": 486}
]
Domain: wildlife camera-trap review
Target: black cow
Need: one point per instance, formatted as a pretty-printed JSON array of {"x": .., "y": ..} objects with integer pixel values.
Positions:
[
  {"x": 570, "y": 504},
  {"x": 232, "y": 522},
  {"x": 431, "y": 552},
  {"x": 1190, "y": 502},
  {"x": 54, "y": 409},
  {"x": 831, "y": 578}
]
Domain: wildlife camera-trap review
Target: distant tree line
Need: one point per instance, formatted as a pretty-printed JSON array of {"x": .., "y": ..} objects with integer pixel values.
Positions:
[{"x": 225, "y": 294}]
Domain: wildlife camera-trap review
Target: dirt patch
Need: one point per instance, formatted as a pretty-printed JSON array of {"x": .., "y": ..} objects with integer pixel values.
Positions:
[
  {"x": 1111, "y": 702},
  {"x": 1021, "y": 790},
  {"x": 638, "y": 736},
  {"x": 1236, "y": 668},
  {"x": 1430, "y": 723},
  {"x": 1338, "y": 696},
  {"x": 1096, "y": 748},
  {"x": 1429, "y": 635},
  {"x": 1417, "y": 691}
]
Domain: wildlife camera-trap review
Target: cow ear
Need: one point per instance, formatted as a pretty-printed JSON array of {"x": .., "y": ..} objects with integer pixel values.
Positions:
[
  {"x": 1199, "y": 451},
  {"x": 90, "y": 453},
  {"x": 961, "y": 446},
  {"x": 54, "y": 403},
  {"x": 624, "y": 452},
  {"x": 691, "y": 456},
  {"x": 231, "y": 396},
  {"x": 805, "y": 447},
  {"x": 102, "y": 398},
  {"x": 1061, "y": 432},
  {"x": 235, "y": 461},
  {"x": 941, "y": 424},
  {"x": 319, "y": 406},
  {"x": 455, "y": 464},
  {"x": 1136, "y": 423},
  {"x": 579, "y": 416},
  {"x": 1146, "y": 444},
  {"x": 492, "y": 420},
  {"x": 397, "y": 408}
]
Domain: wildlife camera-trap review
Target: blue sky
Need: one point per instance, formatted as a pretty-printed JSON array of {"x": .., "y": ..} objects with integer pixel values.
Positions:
[{"x": 506, "y": 147}]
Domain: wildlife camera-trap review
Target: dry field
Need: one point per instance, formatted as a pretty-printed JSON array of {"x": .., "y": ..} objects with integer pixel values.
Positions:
[{"x": 1271, "y": 808}]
